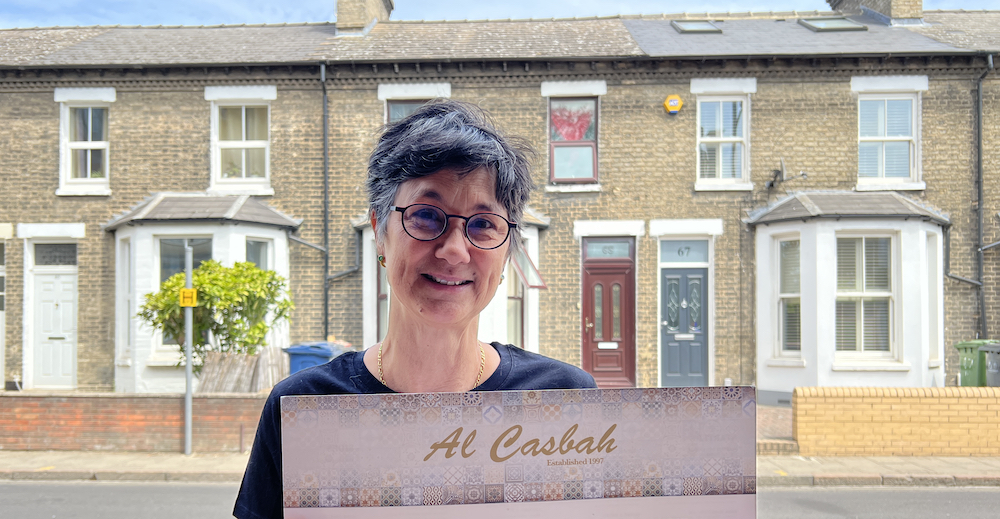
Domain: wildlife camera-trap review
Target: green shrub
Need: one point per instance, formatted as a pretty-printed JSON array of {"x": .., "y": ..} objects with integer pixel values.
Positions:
[{"x": 236, "y": 306}]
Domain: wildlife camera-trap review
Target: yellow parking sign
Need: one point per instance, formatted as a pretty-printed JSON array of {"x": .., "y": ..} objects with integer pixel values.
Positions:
[{"x": 189, "y": 297}]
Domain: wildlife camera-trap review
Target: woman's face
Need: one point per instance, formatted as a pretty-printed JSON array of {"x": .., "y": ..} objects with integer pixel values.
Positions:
[{"x": 446, "y": 280}]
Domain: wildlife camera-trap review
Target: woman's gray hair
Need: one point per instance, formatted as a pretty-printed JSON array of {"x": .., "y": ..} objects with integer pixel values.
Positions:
[{"x": 449, "y": 134}]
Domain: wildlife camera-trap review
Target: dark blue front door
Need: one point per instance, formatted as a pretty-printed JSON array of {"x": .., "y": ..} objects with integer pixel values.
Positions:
[{"x": 684, "y": 327}]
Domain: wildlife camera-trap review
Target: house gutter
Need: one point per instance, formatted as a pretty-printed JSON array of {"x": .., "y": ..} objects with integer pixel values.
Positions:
[
  {"x": 326, "y": 206},
  {"x": 983, "y": 329},
  {"x": 296, "y": 239}
]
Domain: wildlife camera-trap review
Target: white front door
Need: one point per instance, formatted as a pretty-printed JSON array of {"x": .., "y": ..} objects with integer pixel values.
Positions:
[{"x": 55, "y": 331}]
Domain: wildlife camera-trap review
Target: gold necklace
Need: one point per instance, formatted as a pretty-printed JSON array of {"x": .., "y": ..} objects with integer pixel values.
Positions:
[{"x": 482, "y": 365}]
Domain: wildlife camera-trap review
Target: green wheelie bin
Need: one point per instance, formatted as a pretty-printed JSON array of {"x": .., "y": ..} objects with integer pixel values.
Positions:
[
  {"x": 972, "y": 362},
  {"x": 991, "y": 364}
]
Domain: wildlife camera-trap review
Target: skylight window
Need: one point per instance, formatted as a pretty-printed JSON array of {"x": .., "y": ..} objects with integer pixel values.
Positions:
[
  {"x": 694, "y": 26},
  {"x": 834, "y": 24}
]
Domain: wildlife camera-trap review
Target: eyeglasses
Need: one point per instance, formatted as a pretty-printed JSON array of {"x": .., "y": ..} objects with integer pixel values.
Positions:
[{"x": 427, "y": 222}]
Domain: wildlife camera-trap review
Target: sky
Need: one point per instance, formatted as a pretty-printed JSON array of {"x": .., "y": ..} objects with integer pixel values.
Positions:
[{"x": 35, "y": 13}]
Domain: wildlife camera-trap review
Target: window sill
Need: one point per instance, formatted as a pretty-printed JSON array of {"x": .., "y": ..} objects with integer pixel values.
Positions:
[
  {"x": 932, "y": 364},
  {"x": 859, "y": 365},
  {"x": 735, "y": 186},
  {"x": 163, "y": 361},
  {"x": 95, "y": 190},
  {"x": 786, "y": 362},
  {"x": 895, "y": 186},
  {"x": 573, "y": 188},
  {"x": 241, "y": 190}
]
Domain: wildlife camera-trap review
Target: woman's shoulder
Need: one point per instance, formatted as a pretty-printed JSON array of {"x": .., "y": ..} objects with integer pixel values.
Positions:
[
  {"x": 339, "y": 376},
  {"x": 528, "y": 370}
]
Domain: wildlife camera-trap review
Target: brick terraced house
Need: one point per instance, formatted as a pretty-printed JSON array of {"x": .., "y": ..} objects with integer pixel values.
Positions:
[{"x": 778, "y": 199}]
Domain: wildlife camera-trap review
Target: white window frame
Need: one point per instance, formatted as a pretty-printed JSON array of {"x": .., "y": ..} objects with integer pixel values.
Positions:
[
  {"x": 244, "y": 96},
  {"x": 515, "y": 282},
  {"x": 934, "y": 309},
  {"x": 127, "y": 306},
  {"x": 69, "y": 98},
  {"x": 742, "y": 183},
  {"x": 166, "y": 355},
  {"x": 892, "y": 294},
  {"x": 596, "y": 89},
  {"x": 269, "y": 253},
  {"x": 894, "y": 87},
  {"x": 780, "y": 297},
  {"x": 715, "y": 89},
  {"x": 3, "y": 292},
  {"x": 881, "y": 181}
]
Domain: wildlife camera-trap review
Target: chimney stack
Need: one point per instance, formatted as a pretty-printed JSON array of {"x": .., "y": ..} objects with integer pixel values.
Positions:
[
  {"x": 895, "y": 12},
  {"x": 354, "y": 16}
]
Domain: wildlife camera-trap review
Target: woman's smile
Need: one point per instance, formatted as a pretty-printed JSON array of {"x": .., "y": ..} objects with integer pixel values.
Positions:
[{"x": 447, "y": 281}]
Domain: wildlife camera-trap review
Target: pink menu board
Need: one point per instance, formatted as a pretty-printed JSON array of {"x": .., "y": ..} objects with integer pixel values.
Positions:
[{"x": 673, "y": 452}]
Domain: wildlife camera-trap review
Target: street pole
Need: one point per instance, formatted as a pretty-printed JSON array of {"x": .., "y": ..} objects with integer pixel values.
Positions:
[{"x": 188, "y": 341}]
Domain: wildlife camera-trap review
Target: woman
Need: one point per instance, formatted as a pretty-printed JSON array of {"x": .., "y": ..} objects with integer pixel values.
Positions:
[{"x": 446, "y": 191}]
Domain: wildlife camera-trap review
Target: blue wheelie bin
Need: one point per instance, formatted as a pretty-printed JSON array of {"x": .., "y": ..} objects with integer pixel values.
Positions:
[{"x": 307, "y": 354}]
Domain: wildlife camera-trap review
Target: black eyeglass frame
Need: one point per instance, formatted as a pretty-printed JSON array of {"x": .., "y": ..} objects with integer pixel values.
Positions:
[{"x": 465, "y": 228}]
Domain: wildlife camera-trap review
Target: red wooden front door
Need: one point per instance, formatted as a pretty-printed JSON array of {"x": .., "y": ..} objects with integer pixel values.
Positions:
[{"x": 608, "y": 313}]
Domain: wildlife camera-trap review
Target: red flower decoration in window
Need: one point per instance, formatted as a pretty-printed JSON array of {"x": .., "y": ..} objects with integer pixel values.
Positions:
[{"x": 571, "y": 125}]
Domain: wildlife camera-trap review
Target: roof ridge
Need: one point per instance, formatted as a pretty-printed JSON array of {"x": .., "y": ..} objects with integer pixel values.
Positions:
[
  {"x": 237, "y": 205},
  {"x": 215, "y": 26},
  {"x": 808, "y": 204},
  {"x": 641, "y": 16},
  {"x": 155, "y": 201},
  {"x": 961, "y": 10}
]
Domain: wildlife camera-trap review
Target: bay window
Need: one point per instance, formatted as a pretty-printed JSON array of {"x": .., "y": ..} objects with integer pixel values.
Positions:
[
  {"x": 172, "y": 262},
  {"x": 864, "y": 295},
  {"x": 789, "y": 301}
]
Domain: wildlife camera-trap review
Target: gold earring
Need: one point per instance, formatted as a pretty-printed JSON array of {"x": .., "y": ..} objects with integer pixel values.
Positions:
[
  {"x": 381, "y": 260},
  {"x": 501, "y": 278}
]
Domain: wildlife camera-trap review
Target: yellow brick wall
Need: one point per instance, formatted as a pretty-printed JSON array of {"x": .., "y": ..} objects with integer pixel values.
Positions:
[{"x": 949, "y": 421}]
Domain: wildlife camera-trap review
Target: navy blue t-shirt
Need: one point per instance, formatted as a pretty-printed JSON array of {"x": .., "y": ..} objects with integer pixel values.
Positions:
[{"x": 260, "y": 493}]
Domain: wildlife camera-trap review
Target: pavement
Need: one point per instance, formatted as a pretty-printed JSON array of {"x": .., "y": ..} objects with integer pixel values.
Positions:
[{"x": 778, "y": 465}]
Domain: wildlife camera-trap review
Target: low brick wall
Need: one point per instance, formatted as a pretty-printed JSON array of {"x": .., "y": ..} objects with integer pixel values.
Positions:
[
  {"x": 949, "y": 421},
  {"x": 118, "y": 422}
]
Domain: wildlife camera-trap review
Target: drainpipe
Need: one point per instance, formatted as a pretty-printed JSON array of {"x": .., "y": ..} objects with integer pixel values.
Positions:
[
  {"x": 983, "y": 329},
  {"x": 947, "y": 260},
  {"x": 357, "y": 260},
  {"x": 326, "y": 206}
]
